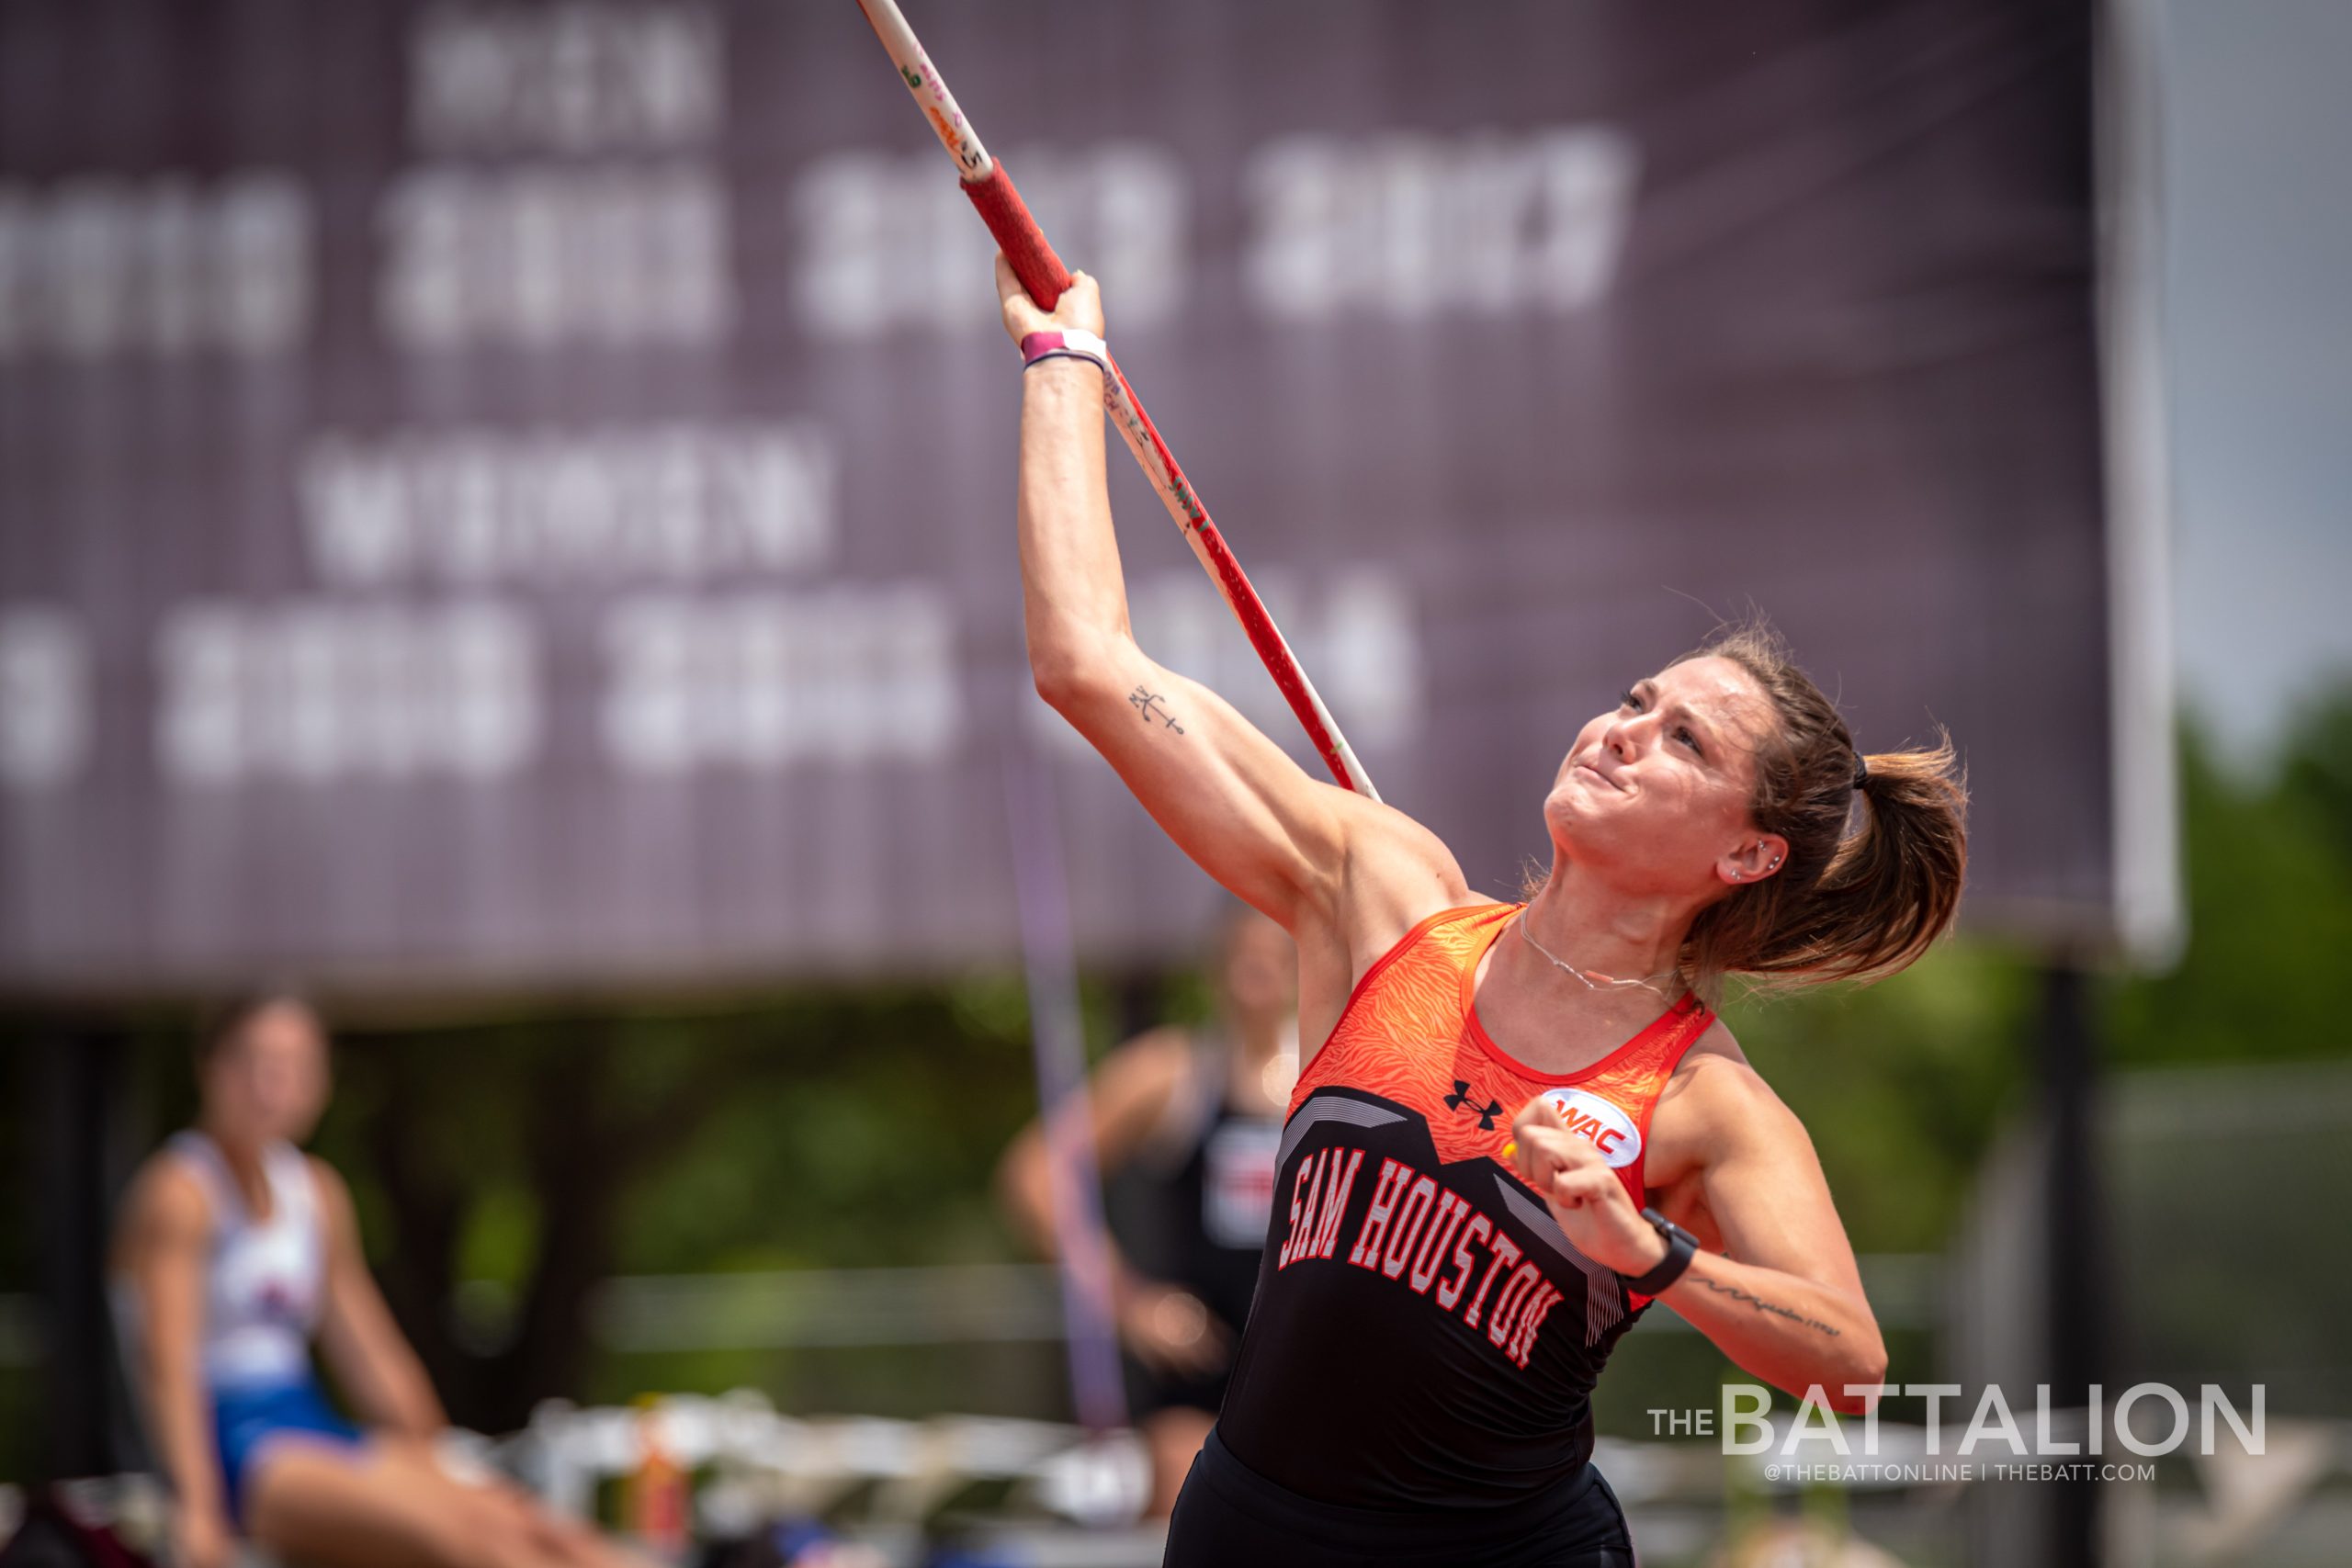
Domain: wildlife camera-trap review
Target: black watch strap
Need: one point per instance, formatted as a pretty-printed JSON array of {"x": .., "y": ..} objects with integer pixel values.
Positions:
[{"x": 1681, "y": 1247}]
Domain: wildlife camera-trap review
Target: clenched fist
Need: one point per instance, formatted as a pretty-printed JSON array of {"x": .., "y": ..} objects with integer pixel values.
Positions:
[
  {"x": 1582, "y": 1192},
  {"x": 1079, "y": 308}
]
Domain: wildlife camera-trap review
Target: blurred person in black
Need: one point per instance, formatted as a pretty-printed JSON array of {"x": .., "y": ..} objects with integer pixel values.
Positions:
[
  {"x": 1196, "y": 1116},
  {"x": 233, "y": 1251}
]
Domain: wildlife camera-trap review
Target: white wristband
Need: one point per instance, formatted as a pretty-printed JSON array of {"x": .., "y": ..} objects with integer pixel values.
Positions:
[{"x": 1070, "y": 343}]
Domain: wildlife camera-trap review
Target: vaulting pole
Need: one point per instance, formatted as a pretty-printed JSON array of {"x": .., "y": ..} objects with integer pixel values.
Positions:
[{"x": 1042, "y": 274}]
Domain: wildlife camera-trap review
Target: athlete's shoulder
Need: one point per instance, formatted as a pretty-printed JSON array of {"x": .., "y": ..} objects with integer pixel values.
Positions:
[
  {"x": 167, "y": 1200},
  {"x": 338, "y": 1217},
  {"x": 1397, "y": 870},
  {"x": 328, "y": 1180},
  {"x": 1440, "y": 928},
  {"x": 1148, "y": 1067},
  {"x": 1716, "y": 1105},
  {"x": 1715, "y": 1050},
  {"x": 1463, "y": 912},
  {"x": 1714, "y": 1079},
  {"x": 1134, "y": 1091}
]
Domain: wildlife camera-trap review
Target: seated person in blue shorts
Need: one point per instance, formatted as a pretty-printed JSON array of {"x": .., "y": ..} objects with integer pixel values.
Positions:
[{"x": 233, "y": 1251}]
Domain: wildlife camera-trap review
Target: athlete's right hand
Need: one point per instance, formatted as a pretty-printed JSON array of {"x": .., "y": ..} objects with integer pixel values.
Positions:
[
  {"x": 201, "y": 1538},
  {"x": 1587, "y": 1200},
  {"x": 1079, "y": 308},
  {"x": 1170, "y": 1331}
]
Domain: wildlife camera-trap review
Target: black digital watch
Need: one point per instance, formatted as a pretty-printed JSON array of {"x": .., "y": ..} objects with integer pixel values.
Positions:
[{"x": 1681, "y": 1247}]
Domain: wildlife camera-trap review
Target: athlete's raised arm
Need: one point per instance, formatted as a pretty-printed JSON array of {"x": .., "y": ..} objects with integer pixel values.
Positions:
[{"x": 1332, "y": 867}]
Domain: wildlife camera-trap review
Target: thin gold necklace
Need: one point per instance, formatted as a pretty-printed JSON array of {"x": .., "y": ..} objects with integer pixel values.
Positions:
[{"x": 1603, "y": 982}]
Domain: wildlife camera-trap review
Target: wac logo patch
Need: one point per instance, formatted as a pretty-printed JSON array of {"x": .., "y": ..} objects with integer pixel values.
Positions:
[{"x": 1608, "y": 1129}]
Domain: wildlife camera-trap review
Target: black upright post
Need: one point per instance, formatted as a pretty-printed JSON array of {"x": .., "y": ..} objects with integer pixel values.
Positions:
[
  {"x": 74, "y": 1099},
  {"x": 2077, "y": 1306}
]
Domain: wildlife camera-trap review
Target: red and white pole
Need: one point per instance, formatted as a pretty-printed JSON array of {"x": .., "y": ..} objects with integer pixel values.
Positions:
[{"x": 1042, "y": 274}]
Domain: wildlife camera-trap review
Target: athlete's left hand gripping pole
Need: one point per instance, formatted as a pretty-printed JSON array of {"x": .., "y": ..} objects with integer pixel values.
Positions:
[{"x": 1042, "y": 274}]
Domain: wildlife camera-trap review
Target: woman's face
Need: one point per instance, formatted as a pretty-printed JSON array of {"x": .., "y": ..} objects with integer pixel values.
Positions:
[
  {"x": 269, "y": 1080},
  {"x": 1656, "y": 793}
]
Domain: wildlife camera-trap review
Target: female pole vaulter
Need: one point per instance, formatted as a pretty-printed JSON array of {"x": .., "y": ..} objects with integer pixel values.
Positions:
[{"x": 1521, "y": 1123}]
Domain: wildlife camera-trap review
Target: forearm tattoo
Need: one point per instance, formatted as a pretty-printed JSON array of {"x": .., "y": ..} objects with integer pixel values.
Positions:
[
  {"x": 1150, "y": 706},
  {"x": 1760, "y": 1305}
]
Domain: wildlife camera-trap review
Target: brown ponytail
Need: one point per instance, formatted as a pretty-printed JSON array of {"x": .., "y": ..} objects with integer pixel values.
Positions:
[{"x": 1846, "y": 905}]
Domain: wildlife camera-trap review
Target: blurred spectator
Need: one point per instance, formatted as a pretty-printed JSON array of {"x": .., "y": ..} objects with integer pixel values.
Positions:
[
  {"x": 233, "y": 1250},
  {"x": 1198, "y": 1113}
]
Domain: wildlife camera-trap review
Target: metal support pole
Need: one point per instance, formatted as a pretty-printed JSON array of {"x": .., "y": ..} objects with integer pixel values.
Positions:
[
  {"x": 2077, "y": 1303},
  {"x": 77, "y": 1076}
]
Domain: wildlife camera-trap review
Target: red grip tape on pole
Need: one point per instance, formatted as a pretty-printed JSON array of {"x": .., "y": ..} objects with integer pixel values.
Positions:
[{"x": 1017, "y": 235}]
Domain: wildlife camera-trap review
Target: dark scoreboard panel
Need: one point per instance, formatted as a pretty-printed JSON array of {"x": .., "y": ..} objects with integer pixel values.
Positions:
[{"x": 522, "y": 494}]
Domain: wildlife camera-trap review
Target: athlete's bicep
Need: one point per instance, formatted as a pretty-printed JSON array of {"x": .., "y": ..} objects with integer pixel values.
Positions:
[
  {"x": 1762, "y": 1185},
  {"x": 1230, "y": 798},
  {"x": 166, "y": 1231}
]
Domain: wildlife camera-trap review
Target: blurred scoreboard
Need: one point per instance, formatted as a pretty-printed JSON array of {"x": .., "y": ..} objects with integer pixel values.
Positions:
[{"x": 517, "y": 494}]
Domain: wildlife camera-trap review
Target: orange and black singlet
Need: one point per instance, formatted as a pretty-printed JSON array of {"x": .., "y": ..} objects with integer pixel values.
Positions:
[{"x": 1424, "y": 1338}]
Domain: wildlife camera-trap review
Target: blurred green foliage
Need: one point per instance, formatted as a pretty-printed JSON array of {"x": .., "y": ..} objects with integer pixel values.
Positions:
[
  {"x": 2269, "y": 909},
  {"x": 504, "y": 1164}
]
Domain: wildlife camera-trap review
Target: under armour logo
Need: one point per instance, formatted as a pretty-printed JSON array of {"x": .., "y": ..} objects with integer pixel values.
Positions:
[{"x": 1460, "y": 1100}]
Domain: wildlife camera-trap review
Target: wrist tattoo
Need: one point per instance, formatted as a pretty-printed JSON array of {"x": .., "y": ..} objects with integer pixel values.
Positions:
[
  {"x": 1760, "y": 1305},
  {"x": 1150, "y": 706}
]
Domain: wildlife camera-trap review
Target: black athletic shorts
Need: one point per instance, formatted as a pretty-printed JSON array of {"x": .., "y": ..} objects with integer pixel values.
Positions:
[
  {"x": 1151, "y": 1390},
  {"x": 1228, "y": 1515}
]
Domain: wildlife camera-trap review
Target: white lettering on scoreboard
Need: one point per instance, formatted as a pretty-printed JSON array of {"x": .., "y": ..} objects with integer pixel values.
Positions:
[
  {"x": 1409, "y": 225},
  {"x": 569, "y": 78},
  {"x": 44, "y": 696},
  {"x": 475, "y": 506},
  {"x": 167, "y": 266},
  {"x": 544, "y": 255},
  {"x": 889, "y": 241},
  {"x": 317, "y": 690},
  {"x": 763, "y": 682}
]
